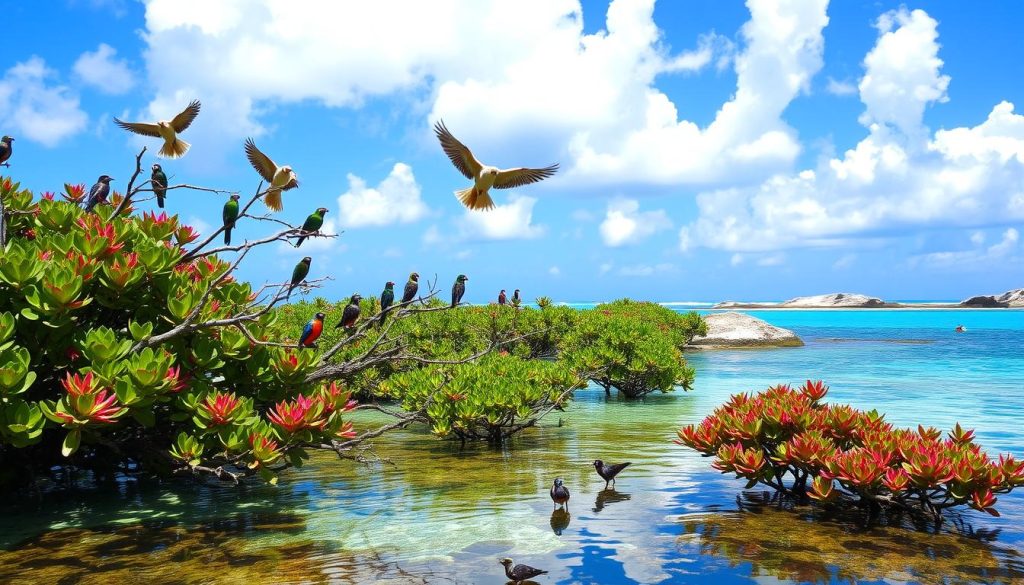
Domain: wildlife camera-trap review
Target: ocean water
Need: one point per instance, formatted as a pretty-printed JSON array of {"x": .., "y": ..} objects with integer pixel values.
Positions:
[{"x": 438, "y": 513}]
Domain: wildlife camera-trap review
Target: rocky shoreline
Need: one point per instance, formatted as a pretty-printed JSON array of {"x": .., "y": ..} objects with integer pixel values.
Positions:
[
  {"x": 733, "y": 330},
  {"x": 1008, "y": 300}
]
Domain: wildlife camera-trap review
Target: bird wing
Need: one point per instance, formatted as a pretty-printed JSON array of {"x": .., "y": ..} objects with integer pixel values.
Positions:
[
  {"x": 508, "y": 178},
  {"x": 307, "y": 330},
  {"x": 457, "y": 152},
  {"x": 185, "y": 118},
  {"x": 140, "y": 128},
  {"x": 410, "y": 291},
  {"x": 259, "y": 161}
]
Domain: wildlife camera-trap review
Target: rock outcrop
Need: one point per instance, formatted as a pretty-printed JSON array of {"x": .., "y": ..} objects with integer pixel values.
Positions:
[
  {"x": 984, "y": 302},
  {"x": 1012, "y": 298},
  {"x": 736, "y": 330},
  {"x": 834, "y": 300}
]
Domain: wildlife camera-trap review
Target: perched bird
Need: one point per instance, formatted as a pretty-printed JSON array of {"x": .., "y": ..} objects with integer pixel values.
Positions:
[
  {"x": 501, "y": 297},
  {"x": 515, "y": 298},
  {"x": 351, "y": 313},
  {"x": 411, "y": 287},
  {"x": 159, "y": 181},
  {"x": 458, "y": 289},
  {"x": 311, "y": 332},
  {"x": 312, "y": 224},
  {"x": 484, "y": 177},
  {"x": 280, "y": 178},
  {"x": 230, "y": 215},
  {"x": 387, "y": 297},
  {"x": 519, "y": 573},
  {"x": 299, "y": 274},
  {"x": 608, "y": 472},
  {"x": 6, "y": 150},
  {"x": 98, "y": 193},
  {"x": 173, "y": 147},
  {"x": 559, "y": 494}
]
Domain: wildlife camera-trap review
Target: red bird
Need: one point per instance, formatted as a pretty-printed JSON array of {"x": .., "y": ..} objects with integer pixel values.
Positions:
[{"x": 311, "y": 332}]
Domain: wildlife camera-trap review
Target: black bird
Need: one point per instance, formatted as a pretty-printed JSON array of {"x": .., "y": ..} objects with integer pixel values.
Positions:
[
  {"x": 351, "y": 313},
  {"x": 608, "y": 472},
  {"x": 98, "y": 193},
  {"x": 560, "y": 521},
  {"x": 6, "y": 150},
  {"x": 411, "y": 287},
  {"x": 159, "y": 181},
  {"x": 501, "y": 297},
  {"x": 519, "y": 573},
  {"x": 515, "y": 298},
  {"x": 458, "y": 289},
  {"x": 560, "y": 494}
]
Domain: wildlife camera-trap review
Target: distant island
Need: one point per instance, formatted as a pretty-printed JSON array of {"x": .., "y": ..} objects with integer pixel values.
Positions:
[{"x": 1010, "y": 299}]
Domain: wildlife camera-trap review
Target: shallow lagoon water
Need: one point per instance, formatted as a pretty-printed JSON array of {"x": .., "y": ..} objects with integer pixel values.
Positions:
[{"x": 440, "y": 514}]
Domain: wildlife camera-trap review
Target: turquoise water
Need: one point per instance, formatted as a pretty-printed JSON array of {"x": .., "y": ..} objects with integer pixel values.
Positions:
[{"x": 440, "y": 514}]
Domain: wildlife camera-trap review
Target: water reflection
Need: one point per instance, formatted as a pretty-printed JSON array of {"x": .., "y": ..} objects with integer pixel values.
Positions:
[
  {"x": 608, "y": 496},
  {"x": 560, "y": 521}
]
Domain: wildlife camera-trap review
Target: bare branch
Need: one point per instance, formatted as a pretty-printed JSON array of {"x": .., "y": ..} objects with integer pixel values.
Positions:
[{"x": 128, "y": 190}]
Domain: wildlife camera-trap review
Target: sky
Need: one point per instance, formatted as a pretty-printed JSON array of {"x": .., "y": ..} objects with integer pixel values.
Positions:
[{"x": 708, "y": 149}]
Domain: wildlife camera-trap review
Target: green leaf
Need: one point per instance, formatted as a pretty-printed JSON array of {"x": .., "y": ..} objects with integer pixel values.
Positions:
[{"x": 71, "y": 442}]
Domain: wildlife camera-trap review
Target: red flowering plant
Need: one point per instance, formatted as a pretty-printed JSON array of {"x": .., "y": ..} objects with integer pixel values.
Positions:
[{"x": 790, "y": 440}]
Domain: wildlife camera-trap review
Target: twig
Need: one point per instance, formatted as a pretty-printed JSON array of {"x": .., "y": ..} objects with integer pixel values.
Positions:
[{"x": 126, "y": 201}]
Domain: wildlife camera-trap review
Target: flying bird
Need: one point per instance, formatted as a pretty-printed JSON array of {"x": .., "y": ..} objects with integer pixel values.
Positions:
[
  {"x": 501, "y": 297},
  {"x": 515, "y": 298},
  {"x": 230, "y": 216},
  {"x": 299, "y": 274},
  {"x": 387, "y": 297},
  {"x": 458, "y": 289},
  {"x": 484, "y": 177},
  {"x": 519, "y": 573},
  {"x": 411, "y": 287},
  {"x": 173, "y": 146},
  {"x": 6, "y": 150},
  {"x": 159, "y": 182},
  {"x": 311, "y": 332},
  {"x": 280, "y": 178},
  {"x": 98, "y": 193},
  {"x": 608, "y": 472},
  {"x": 560, "y": 494},
  {"x": 351, "y": 313},
  {"x": 312, "y": 224}
]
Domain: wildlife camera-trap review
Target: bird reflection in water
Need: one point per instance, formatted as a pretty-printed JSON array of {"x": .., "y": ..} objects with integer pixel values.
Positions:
[
  {"x": 609, "y": 496},
  {"x": 560, "y": 520}
]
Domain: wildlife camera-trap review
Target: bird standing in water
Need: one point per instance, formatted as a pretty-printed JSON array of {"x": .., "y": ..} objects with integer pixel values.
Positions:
[
  {"x": 6, "y": 150},
  {"x": 230, "y": 215},
  {"x": 299, "y": 274},
  {"x": 608, "y": 472},
  {"x": 311, "y": 332},
  {"x": 280, "y": 178},
  {"x": 411, "y": 286},
  {"x": 515, "y": 298},
  {"x": 98, "y": 193},
  {"x": 501, "y": 297},
  {"x": 313, "y": 223},
  {"x": 484, "y": 177},
  {"x": 387, "y": 297},
  {"x": 559, "y": 494},
  {"x": 159, "y": 181},
  {"x": 351, "y": 313},
  {"x": 458, "y": 289},
  {"x": 519, "y": 573},
  {"x": 173, "y": 146}
]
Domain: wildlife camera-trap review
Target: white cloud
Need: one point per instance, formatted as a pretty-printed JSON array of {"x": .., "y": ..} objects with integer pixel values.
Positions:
[
  {"x": 894, "y": 180},
  {"x": 395, "y": 200},
  {"x": 32, "y": 109},
  {"x": 201, "y": 227},
  {"x": 647, "y": 269},
  {"x": 844, "y": 262},
  {"x": 432, "y": 236},
  {"x": 554, "y": 271},
  {"x": 624, "y": 223},
  {"x": 978, "y": 238},
  {"x": 512, "y": 221},
  {"x": 771, "y": 260},
  {"x": 1003, "y": 251},
  {"x": 836, "y": 87},
  {"x": 736, "y": 259},
  {"x": 606, "y": 267},
  {"x": 103, "y": 71}
]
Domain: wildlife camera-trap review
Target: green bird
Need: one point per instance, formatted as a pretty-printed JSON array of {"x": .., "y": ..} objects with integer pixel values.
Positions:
[
  {"x": 459, "y": 289},
  {"x": 313, "y": 223},
  {"x": 386, "y": 299},
  {"x": 159, "y": 181},
  {"x": 230, "y": 216},
  {"x": 299, "y": 274}
]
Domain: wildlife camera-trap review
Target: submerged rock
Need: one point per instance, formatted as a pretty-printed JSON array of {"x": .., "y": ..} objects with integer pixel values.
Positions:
[
  {"x": 984, "y": 302},
  {"x": 737, "y": 330}
]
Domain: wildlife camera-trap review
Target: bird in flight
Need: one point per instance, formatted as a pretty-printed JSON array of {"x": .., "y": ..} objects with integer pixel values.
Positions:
[
  {"x": 484, "y": 177},
  {"x": 280, "y": 178},
  {"x": 173, "y": 147}
]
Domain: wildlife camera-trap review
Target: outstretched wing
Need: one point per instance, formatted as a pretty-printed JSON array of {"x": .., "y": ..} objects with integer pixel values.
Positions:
[
  {"x": 457, "y": 152},
  {"x": 508, "y": 178},
  {"x": 259, "y": 161},
  {"x": 185, "y": 118},
  {"x": 140, "y": 128}
]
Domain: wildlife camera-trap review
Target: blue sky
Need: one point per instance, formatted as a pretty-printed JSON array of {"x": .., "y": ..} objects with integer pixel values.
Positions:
[{"x": 709, "y": 150}]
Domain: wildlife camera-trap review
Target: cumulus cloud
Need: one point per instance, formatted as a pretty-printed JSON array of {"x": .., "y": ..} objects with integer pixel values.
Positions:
[
  {"x": 396, "y": 199},
  {"x": 103, "y": 71},
  {"x": 511, "y": 221},
  {"x": 34, "y": 108},
  {"x": 978, "y": 257},
  {"x": 898, "y": 178},
  {"x": 836, "y": 87},
  {"x": 624, "y": 223}
]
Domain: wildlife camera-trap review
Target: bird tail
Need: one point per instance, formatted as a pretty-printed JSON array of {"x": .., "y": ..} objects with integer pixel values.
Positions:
[
  {"x": 175, "y": 148},
  {"x": 474, "y": 199},
  {"x": 273, "y": 200},
  {"x": 299, "y": 241},
  {"x": 289, "y": 295},
  {"x": 227, "y": 236},
  {"x": 160, "y": 201}
]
